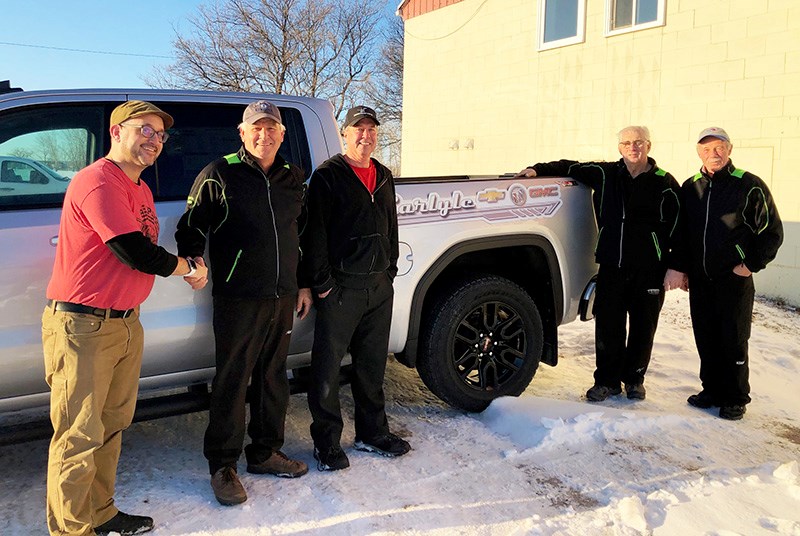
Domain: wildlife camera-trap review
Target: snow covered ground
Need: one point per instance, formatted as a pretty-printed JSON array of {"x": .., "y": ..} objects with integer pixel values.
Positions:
[{"x": 546, "y": 463}]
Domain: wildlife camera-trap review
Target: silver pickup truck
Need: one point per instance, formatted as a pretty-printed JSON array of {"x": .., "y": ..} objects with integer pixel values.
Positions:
[{"x": 489, "y": 266}]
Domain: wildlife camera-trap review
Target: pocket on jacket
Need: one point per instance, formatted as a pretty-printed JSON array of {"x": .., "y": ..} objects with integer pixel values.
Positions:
[
  {"x": 656, "y": 245},
  {"x": 233, "y": 267},
  {"x": 365, "y": 255}
]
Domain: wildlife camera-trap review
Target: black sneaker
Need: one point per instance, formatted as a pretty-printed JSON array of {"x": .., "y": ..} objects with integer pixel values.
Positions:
[
  {"x": 732, "y": 413},
  {"x": 598, "y": 393},
  {"x": 331, "y": 459},
  {"x": 125, "y": 525},
  {"x": 635, "y": 391},
  {"x": 701, "y": 400},
  {"x": 388, "y": 445}
]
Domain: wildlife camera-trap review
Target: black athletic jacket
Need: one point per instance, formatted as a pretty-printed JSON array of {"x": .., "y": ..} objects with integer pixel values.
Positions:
[
  {"x": 351, "y": 235},
  {"x": 251, "y": 221},
  {"x": 636, "y": 218},
  {"x": 728, "y": 220}
]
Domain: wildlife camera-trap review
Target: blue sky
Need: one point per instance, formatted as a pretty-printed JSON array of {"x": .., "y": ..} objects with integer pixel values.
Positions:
[
  {"x": 137, "y": 34},
  {"x": 129, "y": 41}
]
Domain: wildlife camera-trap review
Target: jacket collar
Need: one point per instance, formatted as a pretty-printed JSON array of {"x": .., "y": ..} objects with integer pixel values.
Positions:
[
  {"x": 248, "y": 159},
  {"x": 727, "y": 171},
  {"x": 650, "y": 160}
]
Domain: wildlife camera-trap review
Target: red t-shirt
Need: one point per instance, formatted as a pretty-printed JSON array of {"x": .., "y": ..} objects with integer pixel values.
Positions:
[
  {"x": 101, "y": 202},
  {"x": 368, "y": 175}
]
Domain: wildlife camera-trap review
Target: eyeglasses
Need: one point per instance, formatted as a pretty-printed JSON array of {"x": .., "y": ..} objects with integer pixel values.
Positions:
[
  {"x": 148, "y": 132},
  {"x": 636, "y": 143}
]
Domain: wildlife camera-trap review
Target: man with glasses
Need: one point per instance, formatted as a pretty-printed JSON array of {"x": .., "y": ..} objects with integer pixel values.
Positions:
[
  {"x": 106, "y": 261},
  {"x": 248, "y": 205},
  {"x": 637, "y": 210},
  {"x": 732, "y": 229}
]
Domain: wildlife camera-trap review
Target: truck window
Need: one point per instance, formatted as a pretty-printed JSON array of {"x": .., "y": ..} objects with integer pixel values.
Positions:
[
  {"x": 205, "y": 132},
  {"x": 42, "y": 148}
]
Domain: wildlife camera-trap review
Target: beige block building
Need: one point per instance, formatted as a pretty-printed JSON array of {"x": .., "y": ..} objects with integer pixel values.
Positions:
[{"x": 491, "y": 86}]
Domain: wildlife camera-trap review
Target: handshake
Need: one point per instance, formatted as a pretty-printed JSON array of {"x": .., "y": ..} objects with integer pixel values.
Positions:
[{"x": 199, "y": 278}]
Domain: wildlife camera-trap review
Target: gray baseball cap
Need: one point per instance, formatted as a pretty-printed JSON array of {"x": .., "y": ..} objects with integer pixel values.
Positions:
[
  {"x": 714, "y": 132},
  {"x": 261, "y": 110}
]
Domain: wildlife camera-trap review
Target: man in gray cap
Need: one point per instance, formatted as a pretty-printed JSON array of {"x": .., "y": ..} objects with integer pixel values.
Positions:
[
  {"x": 248, "y": 204},
  {"x": 107, "y": 258},
  {"x": 732, "y": 229}
]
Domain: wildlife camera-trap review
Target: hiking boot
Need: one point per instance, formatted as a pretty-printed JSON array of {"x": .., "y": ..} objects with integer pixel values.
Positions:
[
  {"x": 227, "y": 488},
  {"x": 331, "y": 459},
  {"x": 279, "y": 464},
  {"x": 387, "y": 445},
  {"x": 598, "y": 393},
  {"x": 701, "y": 400},
  {"x": 732, "y": 413},
  {"x": 125, "y": 525},
  {"x": 635, "y": 391}
]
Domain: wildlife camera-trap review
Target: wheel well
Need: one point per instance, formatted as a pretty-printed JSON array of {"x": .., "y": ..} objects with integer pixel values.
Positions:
[{"x": 529, "y": 261}]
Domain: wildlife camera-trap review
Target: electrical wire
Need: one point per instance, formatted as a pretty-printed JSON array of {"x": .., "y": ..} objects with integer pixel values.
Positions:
[
  {"x": 86, "y": 51},
  {"x": 453, "y": 31}
]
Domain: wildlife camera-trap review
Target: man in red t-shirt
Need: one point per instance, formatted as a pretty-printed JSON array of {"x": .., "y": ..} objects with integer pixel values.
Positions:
[{"x": 106, "y": 261}]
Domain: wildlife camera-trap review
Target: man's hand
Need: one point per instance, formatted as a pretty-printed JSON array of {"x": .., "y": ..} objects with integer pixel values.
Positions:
[
  {"x": 527, "y": 172},
  {"x": 200, "y": 277},
  {"x": 674, "y": 279},
  {"x": 303, "y": 302},
  {"x": 324, "y": 295},
  {"x": 742, "y": 270}
]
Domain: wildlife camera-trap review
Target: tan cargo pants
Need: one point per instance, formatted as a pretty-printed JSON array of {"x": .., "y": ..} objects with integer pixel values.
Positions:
[{"x": 92, "y": 366}]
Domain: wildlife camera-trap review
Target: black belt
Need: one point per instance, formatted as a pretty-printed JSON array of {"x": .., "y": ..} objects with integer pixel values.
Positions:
[{"x": 68, "y": 307}]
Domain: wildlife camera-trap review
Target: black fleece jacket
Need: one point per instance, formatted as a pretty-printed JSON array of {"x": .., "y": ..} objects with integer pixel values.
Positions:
[
  {"x": 251, "y": 221},
  {"x": 730, "y": 219},
  {"x": 637, "y": 218},
  {"x": 351, "y": 235}
]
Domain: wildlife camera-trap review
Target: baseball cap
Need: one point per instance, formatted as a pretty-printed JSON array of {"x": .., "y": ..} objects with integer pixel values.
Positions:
[
  {"x": 261, "y": 110},
  {"x": 357, "y": 113},
  {"x": 135, "y": 108},
  {"x": 715, "y": 132}
]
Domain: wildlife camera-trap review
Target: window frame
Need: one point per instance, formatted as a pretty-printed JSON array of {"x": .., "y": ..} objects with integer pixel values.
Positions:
[
  {"x": 661, "y": 11},
  {"x": 91, "y": 116},
  {"x": 580, "y": 28}
]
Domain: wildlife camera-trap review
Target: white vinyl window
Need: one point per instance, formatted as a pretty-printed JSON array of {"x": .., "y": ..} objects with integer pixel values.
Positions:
[
  {"x": 561, "y": 23},
  {"x": 630, "y": 15}
]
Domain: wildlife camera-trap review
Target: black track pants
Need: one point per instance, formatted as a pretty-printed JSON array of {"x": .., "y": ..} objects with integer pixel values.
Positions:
[
  {"x": 252, "y": 341},
  {"x": 358, "y": 319},
  {"x": 722, "y": 311},
  {"x": 623, "y": 297}
]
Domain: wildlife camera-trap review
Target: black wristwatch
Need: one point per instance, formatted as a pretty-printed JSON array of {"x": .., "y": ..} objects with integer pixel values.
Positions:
[{"x": 192, "y": 267}]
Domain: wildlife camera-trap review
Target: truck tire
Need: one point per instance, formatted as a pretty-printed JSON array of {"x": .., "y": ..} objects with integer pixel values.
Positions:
[{"x": 483, "y": 339}]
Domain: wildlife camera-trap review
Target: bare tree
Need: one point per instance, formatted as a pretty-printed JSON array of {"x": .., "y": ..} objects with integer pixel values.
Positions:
[
  {"x": 386, "y": 85},
  {"x": 74, "y": 149},
  {"x": 21, "y": 152},
  {"x": 63, "y": 150},
  {"x": 317, "y": 48},
  {"x": 385, "y": 91},
  {"x": 49, "y": 146}
]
